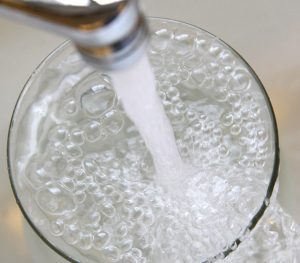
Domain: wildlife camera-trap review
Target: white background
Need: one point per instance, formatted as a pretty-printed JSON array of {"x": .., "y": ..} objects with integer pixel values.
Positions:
[{"x": 265, "y": 32}]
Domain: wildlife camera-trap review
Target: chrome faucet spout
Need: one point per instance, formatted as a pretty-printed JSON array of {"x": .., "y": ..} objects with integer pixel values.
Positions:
[{"x": 109, "y": 34}]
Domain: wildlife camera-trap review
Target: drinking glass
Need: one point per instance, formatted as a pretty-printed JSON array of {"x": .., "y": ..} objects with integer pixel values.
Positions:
[{"x": 83, "y": 177}]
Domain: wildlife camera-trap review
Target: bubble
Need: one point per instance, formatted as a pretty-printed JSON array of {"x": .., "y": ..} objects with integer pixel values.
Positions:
[
  {"x": 58, "y": 133},
  {"x": 78, "y": 173},
  {"x": 70, "y": 106},
  {"x": 112, "y": 253},
  {"x": 235, "y": 129},
  {"x": 85, "y": 240},
  {"x": 193, "y": 61},
  {"x": 137, "y": 213},
  {"x": 223, "y": 150},
  {"x": 107, "y": 156},
  {"x": 240, "y": 80},
  {"x": 255, "y": 109},
  {"x": 191, "y": 115},
  {"x": 92, "y": 131},
  {"x": 260, "y": 163},
  {"x": 184, "y": 74},
  {"x": 220, "y": 93},
  {"x": 125, "y": 244},
  {"x": 203, "y": 44},
  {"x": 90, "y": 165},
  {"x": 37, "y": 174},
  {"x": 108, "y": 209},
  {"x": 129, "y": 258},
  {"x": 139, "y": 229},
  {"x": 122, "y": 229},
  {"x": 100, "y": 239},
  {"x": 95, "y": 95},
  {"x": 244, "y": 161},
  {"x": 79, "y": 197},
  {"x": 92, "y": 218},
  {"x": 57, "y": 227},
  {"x": 77, "y": 136},
  {"x": 73, "y": 150},
  {"x": 262, "y": 134},
  {"x": 227, "y": 119},
  {"x": 161, "y": 40},
  {"x": 172, "y": 92},
  {"x": 67, "y": 183},
  {"x": 71, "y": 234},
  {"x": 139, "y": 199},
  {"x": 213, "y": 67},
  {"x": 114, "y": 124},
  {"x": 226, "y": 57},
  {"x": 54, "y": 200},
  {"x": 199, "y": 75},
  {"x": 168, "y": 106},
  {"x": 144, "y": 242},
  {"x": 215, "y": 50},
  {"x": 184, "y": 44},
  {"x": 117, "y": 197},
  {"x": 234, "y": 99},
  {"x": 174, "y": 78},
  {"x": 81, "y": 186}
]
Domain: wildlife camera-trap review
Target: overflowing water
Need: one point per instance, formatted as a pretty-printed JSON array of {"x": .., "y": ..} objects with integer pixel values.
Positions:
[{"x": 98, "y": 170}]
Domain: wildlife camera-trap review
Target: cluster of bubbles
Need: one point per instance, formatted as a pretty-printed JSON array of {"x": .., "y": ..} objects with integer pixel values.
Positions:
[
  {"x": 92, "y": 176},
  {"x": 275, "y": 239}
]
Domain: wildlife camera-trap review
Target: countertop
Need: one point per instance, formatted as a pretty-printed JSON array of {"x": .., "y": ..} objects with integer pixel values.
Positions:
[{"x": 265, "y": 32}]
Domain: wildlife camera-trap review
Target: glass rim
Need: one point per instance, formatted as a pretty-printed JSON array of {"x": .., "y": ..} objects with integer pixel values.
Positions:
[{"x": 275, "y": 171}]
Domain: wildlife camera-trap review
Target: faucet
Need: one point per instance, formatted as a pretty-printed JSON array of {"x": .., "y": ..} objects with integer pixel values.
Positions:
[{"x": 109, "y": 34}]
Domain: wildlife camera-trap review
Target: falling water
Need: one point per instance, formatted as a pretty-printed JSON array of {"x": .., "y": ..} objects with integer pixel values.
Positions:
[{"x": 136, "y": 88}]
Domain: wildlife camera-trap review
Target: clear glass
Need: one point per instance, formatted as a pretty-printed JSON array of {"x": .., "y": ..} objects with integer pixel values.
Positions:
[{"x": 83, "y": 177}]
